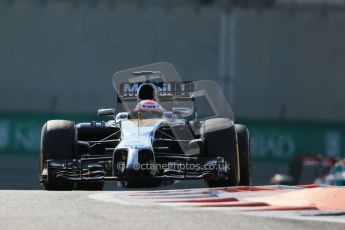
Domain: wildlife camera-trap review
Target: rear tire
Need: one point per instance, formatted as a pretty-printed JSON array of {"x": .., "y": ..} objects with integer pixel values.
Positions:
[
  {"x": 58, "y": 142},
  {"x": 244, "y": 153},
  {"x": 220, "y": 141},
  {"x": 142, "y": 184},
  {"x": 89, "y": 186}
]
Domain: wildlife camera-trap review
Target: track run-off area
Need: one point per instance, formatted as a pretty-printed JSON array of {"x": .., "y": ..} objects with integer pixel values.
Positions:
[
  {"x": 313, "y": 202},
  {"x": 252, "y": 207}
]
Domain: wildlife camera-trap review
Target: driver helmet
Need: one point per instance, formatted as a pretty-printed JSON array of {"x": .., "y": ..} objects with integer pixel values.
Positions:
[{"x": 149, "y": 106}]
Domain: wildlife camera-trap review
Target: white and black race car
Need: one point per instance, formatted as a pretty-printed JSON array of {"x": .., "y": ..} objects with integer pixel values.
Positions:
[{"x": 165, "y": 130}]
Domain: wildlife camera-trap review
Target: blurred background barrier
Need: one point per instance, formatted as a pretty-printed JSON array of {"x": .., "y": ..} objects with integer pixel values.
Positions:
[
  {"x": 20, "y": 133},
  {"x": 284, "y": 140},
  {"x": 274, "y": 60}
]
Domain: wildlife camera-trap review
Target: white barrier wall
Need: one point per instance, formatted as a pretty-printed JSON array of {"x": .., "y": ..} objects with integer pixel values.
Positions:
[
  {"x": 290, "y": 66},
  {"x": 58, "y": 56}
]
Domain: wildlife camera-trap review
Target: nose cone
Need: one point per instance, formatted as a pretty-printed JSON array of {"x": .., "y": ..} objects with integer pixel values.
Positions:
[
  {"x": 140, "y": 162},
  {"x": 132, "y": 164}
]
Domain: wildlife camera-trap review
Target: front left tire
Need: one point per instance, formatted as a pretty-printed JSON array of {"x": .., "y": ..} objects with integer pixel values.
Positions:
[
  {"x": 58, "y": 142},
  {"x": 220, "y": 141}
]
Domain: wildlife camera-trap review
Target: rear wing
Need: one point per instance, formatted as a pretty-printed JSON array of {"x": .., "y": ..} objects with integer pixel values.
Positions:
[
  {"x": 205, "y": 97},
  {"x": 166, "y": 91}
]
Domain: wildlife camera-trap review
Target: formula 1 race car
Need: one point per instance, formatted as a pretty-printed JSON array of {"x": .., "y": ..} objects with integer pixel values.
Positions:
[{"x": 165, "y": 130}]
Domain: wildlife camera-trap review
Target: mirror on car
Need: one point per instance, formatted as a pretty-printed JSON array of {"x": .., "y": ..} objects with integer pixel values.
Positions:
[
  {"x": 83, "y": 147},
  {"x": 106, "y": 112},
  {"x": 181, "y": 110}
]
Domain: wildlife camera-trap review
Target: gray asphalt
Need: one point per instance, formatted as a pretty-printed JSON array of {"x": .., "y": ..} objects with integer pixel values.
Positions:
[{"x": 34, "y": 210}]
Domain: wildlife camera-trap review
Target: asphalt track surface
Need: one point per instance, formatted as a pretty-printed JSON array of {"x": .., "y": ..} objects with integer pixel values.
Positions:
[
  {"x": 36, "y": 209},
  {"x": 75, "y": 210}
]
